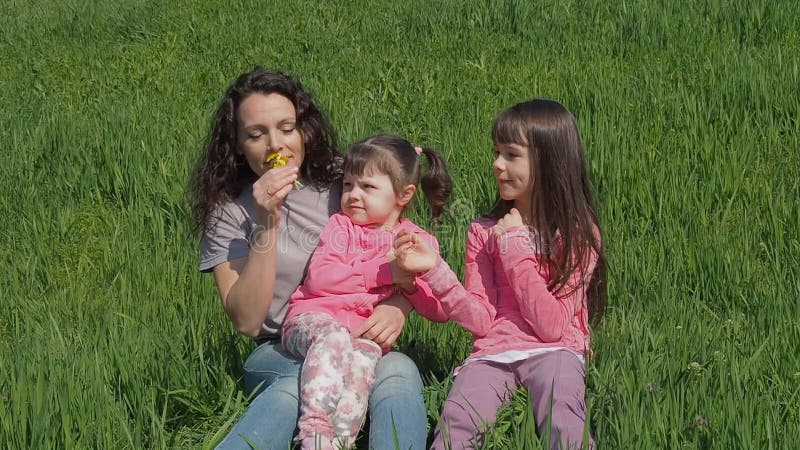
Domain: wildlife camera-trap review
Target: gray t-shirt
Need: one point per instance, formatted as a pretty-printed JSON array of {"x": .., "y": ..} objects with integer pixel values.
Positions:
[{"x": 303, "y": 216}]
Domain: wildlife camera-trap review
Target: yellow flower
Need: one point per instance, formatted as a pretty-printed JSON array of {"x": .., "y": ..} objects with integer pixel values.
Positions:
[{"x": 275, "y": 159}]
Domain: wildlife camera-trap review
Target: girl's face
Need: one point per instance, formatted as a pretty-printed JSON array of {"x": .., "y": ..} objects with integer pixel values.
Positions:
[
  {"x": 512, "y": 172},
  {"x": 267, "y": 124},
  {"x": 370, "y": 200}
]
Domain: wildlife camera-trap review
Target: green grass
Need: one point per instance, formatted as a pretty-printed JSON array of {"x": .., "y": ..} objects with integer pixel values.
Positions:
[{"x": 110, "y": 338}]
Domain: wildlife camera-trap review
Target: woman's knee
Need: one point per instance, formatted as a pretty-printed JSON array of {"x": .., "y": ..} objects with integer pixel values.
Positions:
[
  {"x": 397, "y": 371},
  {"x": 398, "y": 386},
  {"x": 267, "y": 364},
  {"x": 397, "y": 410},
  {"x": 283, "y": 393}
]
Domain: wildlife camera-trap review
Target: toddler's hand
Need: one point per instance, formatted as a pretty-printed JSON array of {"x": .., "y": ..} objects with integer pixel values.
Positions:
[
  {"x": 510, "y": 220},
  {"x": 412, "y": 253}
]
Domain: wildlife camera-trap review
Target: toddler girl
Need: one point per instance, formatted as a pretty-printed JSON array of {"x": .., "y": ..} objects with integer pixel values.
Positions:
[{"x": 352, "y": 270}]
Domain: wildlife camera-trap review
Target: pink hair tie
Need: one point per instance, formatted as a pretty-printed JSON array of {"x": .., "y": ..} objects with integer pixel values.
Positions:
[{"x": 418, "y": 150}]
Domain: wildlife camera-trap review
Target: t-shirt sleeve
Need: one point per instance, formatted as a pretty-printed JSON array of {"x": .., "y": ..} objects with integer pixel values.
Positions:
[{"x": 227, "y": 239}]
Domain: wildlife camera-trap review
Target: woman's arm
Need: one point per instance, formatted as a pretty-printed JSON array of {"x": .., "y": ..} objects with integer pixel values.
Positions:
[{"x": 246, "y": 285}]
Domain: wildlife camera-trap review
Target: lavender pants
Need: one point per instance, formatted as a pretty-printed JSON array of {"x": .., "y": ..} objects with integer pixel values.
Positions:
[
  {"x": 338, "y": 373},
  {"x": 482, "y": 386}
]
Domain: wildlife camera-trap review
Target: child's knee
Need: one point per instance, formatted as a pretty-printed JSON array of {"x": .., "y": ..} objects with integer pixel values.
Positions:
[
  {"x": 567, "y": 434},
  {"x": 367, "y": 346},
  {"x": 459, "y": 425}
]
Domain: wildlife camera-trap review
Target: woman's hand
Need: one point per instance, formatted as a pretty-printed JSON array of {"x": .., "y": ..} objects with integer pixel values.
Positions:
[
  {"x": 271, "y": 190},
  {"x": 412, "y": 254},
  {"x": 511, "y": 220},
  {"x": 246, "y": 285},
  {"x": 386, "y": 322}
]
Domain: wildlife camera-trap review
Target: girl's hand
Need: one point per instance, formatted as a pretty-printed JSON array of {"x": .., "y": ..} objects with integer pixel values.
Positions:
[
  {"x": 412, "y": 254},
  {"x": 271, "y": 190},
  {"x": 511, "y": 220},
  {"x": 400, "y": 277}
]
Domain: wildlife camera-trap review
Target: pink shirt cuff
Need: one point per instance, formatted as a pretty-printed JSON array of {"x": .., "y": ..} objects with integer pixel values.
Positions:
[{"x": 435, "y": 274}]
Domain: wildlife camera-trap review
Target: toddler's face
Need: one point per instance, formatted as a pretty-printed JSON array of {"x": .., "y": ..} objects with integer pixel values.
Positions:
[{"x": 369, "y": 199}]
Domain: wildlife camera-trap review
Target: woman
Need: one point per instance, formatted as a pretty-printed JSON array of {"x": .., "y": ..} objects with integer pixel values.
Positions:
[{"x": 260, "y": 226}]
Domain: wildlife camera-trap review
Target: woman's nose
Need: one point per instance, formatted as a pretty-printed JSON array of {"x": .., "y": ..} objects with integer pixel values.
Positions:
[{"x": 274, "y": 142}]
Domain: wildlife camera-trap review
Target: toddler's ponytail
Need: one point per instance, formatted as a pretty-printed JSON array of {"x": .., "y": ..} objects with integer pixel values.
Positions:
[{"x": 435, "y": 182}]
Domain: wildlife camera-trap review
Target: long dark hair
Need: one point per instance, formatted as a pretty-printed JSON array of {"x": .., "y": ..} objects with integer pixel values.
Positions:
[
  {"x": 221, "y": 173},
  {"x": 563, "y": 212},
  {"x": 397, "y": 158}
]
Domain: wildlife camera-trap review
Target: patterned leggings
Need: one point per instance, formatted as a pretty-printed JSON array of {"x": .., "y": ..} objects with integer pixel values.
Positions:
[{"x": 337, "y": 376}]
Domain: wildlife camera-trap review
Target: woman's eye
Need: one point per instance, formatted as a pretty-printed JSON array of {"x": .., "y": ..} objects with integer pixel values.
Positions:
[
  {"x": 288, "y": 130},
  {"x": 255, "y": 134}
]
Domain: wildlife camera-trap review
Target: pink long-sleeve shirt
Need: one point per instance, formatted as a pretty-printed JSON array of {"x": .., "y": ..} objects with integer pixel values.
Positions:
[
  {"x": 504, "y": 301},
  {"x": 349, "y": 274}
]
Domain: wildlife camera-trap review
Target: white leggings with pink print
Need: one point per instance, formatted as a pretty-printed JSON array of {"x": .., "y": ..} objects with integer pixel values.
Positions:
[{"x": 337, "y": 376}]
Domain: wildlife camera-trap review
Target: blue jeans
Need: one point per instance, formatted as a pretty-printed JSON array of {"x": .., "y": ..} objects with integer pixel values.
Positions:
[{"x": 270, "y": 421}]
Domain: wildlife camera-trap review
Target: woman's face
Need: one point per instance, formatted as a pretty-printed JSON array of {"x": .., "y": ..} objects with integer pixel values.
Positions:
[{"x": 268, "y": 124}]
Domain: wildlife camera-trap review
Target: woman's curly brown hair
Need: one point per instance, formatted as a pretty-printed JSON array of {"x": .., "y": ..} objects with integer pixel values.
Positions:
[{"x": 222, "y": 172}]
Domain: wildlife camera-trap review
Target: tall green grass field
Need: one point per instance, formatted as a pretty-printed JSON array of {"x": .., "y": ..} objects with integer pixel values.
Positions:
[{"x": 689, "y": 110}]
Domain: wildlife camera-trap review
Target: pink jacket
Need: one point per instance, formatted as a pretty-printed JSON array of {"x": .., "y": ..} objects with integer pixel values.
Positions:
[
  {"x": 349, "y": 274},
  {"x": 504, "y": 301}
]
